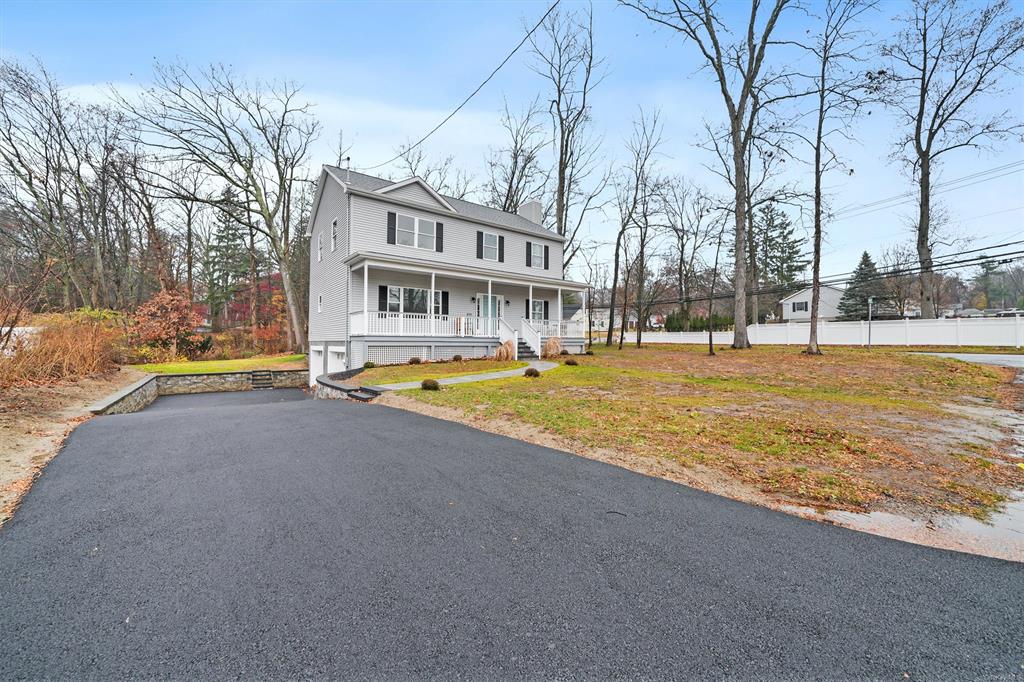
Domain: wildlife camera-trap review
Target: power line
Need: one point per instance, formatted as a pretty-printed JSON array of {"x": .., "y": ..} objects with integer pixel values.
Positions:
[
  {"x": 471, "y": 95},
  {"x": 855, "y": 207}
]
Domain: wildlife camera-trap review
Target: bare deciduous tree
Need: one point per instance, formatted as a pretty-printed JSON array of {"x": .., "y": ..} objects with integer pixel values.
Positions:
[
  {"x": 252, "y": 137},
  {"x": 838, "y": 93},
  {"x": 564, "y": 56},
  {"x": 443, "y": 174},
  {"x": 738, "y": 69},
  {"x": 515, "y": 171},
  {"x": 692, "y": 217},
  {"x": 947, "y": 57},
  {"x": 636, "y": 186}
]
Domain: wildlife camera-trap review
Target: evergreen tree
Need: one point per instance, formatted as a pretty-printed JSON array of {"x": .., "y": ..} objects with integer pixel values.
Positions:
[
  {"x": 780, "y": 247},
  {"x": 864, "y": 283},
  {"x": 229, "y": 259}
]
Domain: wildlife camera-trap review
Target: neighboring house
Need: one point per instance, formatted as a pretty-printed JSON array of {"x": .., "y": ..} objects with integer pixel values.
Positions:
[
  {"x": 399, "y": 271},
  {"x": 601, "y": 315},
  {"x": 797, "y": 307}
]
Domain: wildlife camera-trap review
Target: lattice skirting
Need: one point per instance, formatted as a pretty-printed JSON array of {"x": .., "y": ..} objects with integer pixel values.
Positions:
[{"x": 397, "y": 355}]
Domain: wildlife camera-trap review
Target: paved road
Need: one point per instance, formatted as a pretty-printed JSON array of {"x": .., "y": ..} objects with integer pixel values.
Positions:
[
  {"x": 1003, "y": 360},
  {"x": 329, "y": 538}
]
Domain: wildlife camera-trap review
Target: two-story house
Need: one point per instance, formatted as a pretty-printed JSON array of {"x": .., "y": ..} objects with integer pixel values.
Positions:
[{"x": 399, "y": 271}]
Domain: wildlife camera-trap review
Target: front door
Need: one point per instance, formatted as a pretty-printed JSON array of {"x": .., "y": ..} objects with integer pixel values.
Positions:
[{"x": 488, "y": 311}]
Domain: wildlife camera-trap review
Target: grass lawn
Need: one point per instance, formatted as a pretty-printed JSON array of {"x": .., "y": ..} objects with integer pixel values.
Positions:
[
  {"x": 241, "y": 364},
  {"x": 393, "y": 374},
  {"x": 851, "y": 429}
]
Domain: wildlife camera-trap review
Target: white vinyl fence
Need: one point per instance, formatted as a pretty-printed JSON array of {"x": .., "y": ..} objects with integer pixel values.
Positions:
[{"x": 976, "y": 331}]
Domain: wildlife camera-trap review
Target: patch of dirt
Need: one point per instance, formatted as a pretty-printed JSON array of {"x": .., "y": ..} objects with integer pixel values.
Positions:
[{"x": 35, "y": 420}]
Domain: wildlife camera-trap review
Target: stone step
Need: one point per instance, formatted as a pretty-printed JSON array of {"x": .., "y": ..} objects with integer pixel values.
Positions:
[{"x": 362, "y": 396}]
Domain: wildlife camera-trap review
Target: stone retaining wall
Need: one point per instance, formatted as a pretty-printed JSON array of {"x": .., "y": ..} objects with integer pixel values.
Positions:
[
  {"x": 143, "y": 392},
  {"x": 328, "y": 386}
]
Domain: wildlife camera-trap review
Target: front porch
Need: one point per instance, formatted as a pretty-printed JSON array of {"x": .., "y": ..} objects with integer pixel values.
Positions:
[{"x": 446, "y": 307}]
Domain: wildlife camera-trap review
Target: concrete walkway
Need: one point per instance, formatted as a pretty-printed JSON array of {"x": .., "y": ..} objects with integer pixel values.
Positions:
[
  {"x": 539, "y": 365},
  {"x": 1002, "y": 360}
]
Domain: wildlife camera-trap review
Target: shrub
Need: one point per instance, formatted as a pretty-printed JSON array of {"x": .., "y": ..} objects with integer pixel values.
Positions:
[
  {"x": 552, "y": 347},
  {"x": 531, "y": 372},
  {"x": 369, "y": 365},
  {"x": 430, "y": 385},
  {"x": 571, "y": 362},
  {"x": 504, "y": 352},
  {"x": 589, "y": 352},
  {"x": 65, "y": 348},
  {"x": 564, "y": 352},
  {"x": 414, "y": 361},
  {"x": 456, "y": 358},
  {"x": 166, "y": 321}
]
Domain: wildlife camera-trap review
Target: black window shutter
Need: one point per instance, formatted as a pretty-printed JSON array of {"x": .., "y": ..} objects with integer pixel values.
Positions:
[
  {"x": 479, "y": 244},
  {"x": 529, "y": 254},
  {"x": 546, "y": 264},
  {"x": 546, "y": 315},
  {"x": 444, "y": 302},
  {"x": 527, "y": 316},
  {"x": 382, "y": 296},
  {"x": 439, "y": 238},
  {"x": 501, "y": 249},
  {"x": 391, "y": 228}
]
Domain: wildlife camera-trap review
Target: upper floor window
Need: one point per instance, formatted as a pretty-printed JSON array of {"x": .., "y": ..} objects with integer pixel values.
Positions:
[
  {"x": 490, "y": 246},
  {"x": 415, "y": 232},
  {"x": 320, "y": 303},
  {"x": 537, "y": 255},
  {"x": 319, "y": 247},
  {"x": 334, "y": 234}
]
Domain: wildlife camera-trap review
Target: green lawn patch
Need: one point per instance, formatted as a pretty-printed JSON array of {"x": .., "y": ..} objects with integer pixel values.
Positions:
[
  {"x": 394, "y": 374},
  {"x": 297, "y": 361}
]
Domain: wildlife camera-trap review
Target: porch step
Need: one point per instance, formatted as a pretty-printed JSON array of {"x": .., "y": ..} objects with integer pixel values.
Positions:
[
  {"x": 525, "y": 352},
  {"x": 262, "y": 380}
]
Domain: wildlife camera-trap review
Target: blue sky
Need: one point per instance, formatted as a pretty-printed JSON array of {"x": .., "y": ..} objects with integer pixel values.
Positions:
[{"x": 387, "y": 72}]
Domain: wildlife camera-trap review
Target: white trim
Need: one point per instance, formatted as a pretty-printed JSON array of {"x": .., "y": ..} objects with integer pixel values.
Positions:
[
  {"x": 422, "y": 183},
  {"x": 484, "y": 247}
]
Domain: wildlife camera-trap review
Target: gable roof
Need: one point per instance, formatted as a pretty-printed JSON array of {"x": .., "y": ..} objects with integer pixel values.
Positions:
[
  {"x": 466, "y": 209},
  {"x": 417, "y": 180},
  {"x": 805, "y": 289}
]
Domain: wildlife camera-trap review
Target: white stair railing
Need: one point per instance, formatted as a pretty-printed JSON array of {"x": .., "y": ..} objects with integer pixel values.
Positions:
[
  {"x": 531, "y": 336},
  {"x": 507, "y": 332}
]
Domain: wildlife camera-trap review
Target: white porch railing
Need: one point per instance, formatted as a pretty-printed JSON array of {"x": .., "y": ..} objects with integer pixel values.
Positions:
[
  {"x": 563, "y": 329},
  {"x": 421, "y": 324}
]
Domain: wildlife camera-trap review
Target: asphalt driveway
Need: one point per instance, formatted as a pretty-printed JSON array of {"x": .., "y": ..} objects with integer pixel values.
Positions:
[{"x": 262, "y": 536}]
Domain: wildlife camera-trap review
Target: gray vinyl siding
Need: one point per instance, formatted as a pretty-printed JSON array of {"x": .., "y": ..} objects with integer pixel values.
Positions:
[
  {"x": 460, "y": 292},
  {"x": 369, "y": 233},
  {"x": 329, "y": 276},
  {"x": 414, "y": 192}
]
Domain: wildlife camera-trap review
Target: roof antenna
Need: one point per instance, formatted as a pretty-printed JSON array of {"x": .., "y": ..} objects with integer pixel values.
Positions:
[{"x": 348, "y": 169}]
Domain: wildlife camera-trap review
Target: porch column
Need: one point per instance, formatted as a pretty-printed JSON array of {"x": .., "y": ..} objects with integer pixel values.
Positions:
[
  {"x": 430, "y": 303},
  {"x": 559, "y": 290},
  {"x": 366, "y": 298},
  {"x": 529, "y": 308},
  {"x": 490, "y": 302}
]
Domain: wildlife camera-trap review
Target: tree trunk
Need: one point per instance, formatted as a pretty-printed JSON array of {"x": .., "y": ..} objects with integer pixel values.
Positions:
[
  {"x": 812, "y": 341},
  {"x": 295, "y": 340},
  {"x": 739, "y": 313},
  {"x": 924, "y": 249},
  {"x": 625, "y": 308},
  {"x": 615, "y": 284},
  {"x": 188, "y": 254}
]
